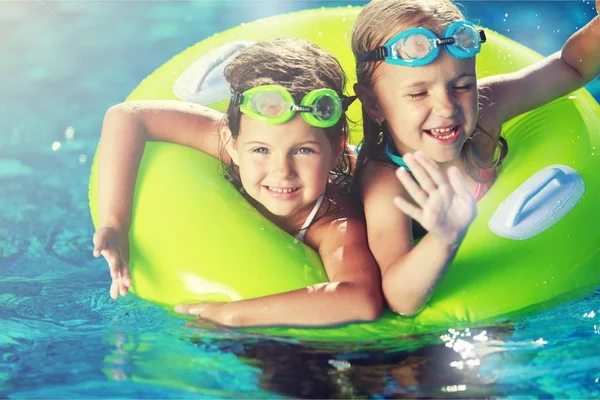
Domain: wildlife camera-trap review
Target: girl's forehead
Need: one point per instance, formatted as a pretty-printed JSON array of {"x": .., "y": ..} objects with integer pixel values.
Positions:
[
  {"x": 293, "y": 131},
  {"x": 444, "y": 69}
]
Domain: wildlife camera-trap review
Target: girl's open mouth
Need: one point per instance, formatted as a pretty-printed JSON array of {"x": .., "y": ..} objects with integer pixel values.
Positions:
[{"x": 446, "y": 135}]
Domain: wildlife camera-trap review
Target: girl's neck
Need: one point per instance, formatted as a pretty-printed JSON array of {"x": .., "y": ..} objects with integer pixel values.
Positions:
[{"x": 289, "y": 223}]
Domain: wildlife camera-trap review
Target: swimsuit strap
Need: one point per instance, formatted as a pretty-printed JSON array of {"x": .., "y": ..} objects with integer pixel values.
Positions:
[
  {"x": 396, "y": 159},
  {"x": 302, "y": 232}
]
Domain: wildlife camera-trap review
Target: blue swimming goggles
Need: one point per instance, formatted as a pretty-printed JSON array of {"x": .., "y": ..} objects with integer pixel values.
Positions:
[{"x": 416, "y": 47}]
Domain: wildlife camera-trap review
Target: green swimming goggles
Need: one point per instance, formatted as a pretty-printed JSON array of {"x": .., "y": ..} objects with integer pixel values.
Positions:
[
  {"x": 275, "y": 105},
  {"x": 419, "y": 46}
]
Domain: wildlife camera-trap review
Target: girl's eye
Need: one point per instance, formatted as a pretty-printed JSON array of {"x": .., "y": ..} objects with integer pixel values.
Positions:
[
  {"x": 305, "y": 150},
  {"x": 463, "y": 88},
  {"x": 418, "y": 95},
  {"x": 261, "y": 150}
]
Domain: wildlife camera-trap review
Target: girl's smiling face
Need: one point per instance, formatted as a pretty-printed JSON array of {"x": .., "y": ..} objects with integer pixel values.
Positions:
[
  {"x": 431, "y": 108},
  {"x": 283, "y": 167}
]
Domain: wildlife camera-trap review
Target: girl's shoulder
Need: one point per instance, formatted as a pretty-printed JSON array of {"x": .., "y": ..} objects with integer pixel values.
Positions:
[
  {"x": 378, "y": 178},
  {"x": 337, "y": 212}
]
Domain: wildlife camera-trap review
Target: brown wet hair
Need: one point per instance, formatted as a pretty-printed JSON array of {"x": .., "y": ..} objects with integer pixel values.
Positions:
[{"x": 299, "y": 66}]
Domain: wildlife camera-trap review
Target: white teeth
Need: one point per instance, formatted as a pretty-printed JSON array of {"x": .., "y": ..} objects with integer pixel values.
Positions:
[
  {"x": 436, "y": 132},
  {"x": 443, "y": 130},
  {"x": 282, "y": 190}
]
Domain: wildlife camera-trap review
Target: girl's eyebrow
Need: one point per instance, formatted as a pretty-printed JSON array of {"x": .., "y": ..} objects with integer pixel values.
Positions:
[
  {"x": 414, "y": 84},
  {"x": 310, "y": 142},
  {"x": 254, "y": 142},
  {"x": 466, "y": 75}
]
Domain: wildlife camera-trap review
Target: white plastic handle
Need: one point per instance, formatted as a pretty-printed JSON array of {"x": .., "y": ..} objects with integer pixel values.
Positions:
[{"x": 554, "y": 175}]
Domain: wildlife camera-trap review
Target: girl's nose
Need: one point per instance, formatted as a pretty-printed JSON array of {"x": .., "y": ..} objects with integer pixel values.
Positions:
[
  {"x": 282, "y": 167},
  {"x": 446, "y": 105}
]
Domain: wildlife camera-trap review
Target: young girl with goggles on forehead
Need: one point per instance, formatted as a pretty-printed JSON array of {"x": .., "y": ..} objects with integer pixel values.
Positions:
[
  {"x": 432, "y": 131},
  {"x": 284, "y": 145}
]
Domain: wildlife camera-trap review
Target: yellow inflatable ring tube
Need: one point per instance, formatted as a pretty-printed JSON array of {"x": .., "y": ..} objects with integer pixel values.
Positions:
[{"x": 535, "y": 240}]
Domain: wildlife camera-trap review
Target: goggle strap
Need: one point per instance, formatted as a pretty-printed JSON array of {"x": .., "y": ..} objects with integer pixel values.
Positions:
[
  {"x": 445, "y": 41},
  {"x": 482, "y": 36},
  {"x": 301, "y": 108},
  {"x": 346, "y": 101},
  {"x": 379, "y": 53},
  {"x": 236, "y": 97}
]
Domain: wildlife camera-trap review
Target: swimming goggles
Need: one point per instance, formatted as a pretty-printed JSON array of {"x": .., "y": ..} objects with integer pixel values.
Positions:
[
  {"x": 419, "y": 46},
  {"x": 273, "y": 104}
]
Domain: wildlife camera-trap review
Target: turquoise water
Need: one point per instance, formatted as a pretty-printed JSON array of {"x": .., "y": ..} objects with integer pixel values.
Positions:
[{"x": 63, "y": 64}]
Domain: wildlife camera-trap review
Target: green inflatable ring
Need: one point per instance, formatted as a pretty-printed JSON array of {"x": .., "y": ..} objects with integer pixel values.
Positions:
[{"x": 195, "y": 238}]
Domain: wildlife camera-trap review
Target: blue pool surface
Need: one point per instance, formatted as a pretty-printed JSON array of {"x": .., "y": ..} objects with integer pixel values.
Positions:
[{"x": 61, "y": 336}]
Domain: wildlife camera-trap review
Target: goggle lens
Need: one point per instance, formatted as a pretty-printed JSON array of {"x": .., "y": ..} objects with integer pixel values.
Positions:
[
  {"x": 466, "y": 38},
  {"x": 413, "y": 47},
  {"x": 324, "y": 108},
  {"x": 269, "y": 104}
]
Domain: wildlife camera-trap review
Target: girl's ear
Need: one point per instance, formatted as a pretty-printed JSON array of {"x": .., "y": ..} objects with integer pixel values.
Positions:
[
  {"x": 369, "y": 102},
  {"x": 338, "y": 150},
  {"x": 230, "y": 145}
]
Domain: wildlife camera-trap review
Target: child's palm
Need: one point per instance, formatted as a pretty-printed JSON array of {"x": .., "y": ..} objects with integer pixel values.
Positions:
[
  {"x": 444, "y": 205},
  {"x": 447, "y": 213},
  {"x": 114, "y": 247}
]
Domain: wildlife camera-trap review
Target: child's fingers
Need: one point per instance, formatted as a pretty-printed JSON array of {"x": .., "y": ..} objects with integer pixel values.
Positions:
[
  {"x": 409, "y": 209},
  {"x": 99, "y": 244},
  {"x": 114, "y": 289},
  {"x": 420, "y": 174},
  {"x": 458, "y": 183},
  {"x": 436, "y": 174},
  {"x": 412, "y": 187},
  {"x": 114, "y": 262},
  {"x": 123, "y": 289},
  {"x": 192, "y": 309},
  {"x": 125, "y": 275}
]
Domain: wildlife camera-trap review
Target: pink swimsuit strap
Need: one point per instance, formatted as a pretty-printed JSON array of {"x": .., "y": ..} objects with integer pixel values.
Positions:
[{"x": 482, "y": 188}]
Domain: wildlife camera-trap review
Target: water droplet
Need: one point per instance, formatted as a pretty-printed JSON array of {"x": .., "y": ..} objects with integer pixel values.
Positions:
[
  {"x": 82, "y": 159},
  {"x": 69, "y": 133},
  {"x": 55, "y": 146}
]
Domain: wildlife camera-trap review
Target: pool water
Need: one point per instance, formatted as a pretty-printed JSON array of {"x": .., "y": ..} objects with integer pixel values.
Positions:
[{"x": 63, "y": 64}]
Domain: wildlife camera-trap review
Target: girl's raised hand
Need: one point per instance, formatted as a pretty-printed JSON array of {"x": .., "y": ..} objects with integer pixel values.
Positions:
[
  {"x": 113, "y": 245},
  {"x": 444, "y": 205}
]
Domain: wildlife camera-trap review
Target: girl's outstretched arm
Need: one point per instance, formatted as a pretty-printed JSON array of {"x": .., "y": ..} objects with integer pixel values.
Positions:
[
  {"x": 353, "y": 293},
  {"x": 556, "y": 75},
  {"x": 439, "y": 202},
  {"x": 125, "y": 130}
]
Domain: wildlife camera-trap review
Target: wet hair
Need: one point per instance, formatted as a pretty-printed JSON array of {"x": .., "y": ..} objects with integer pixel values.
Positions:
[
  {"x": 378, "y": 22},
  {"x": 300, "y": 67}
]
